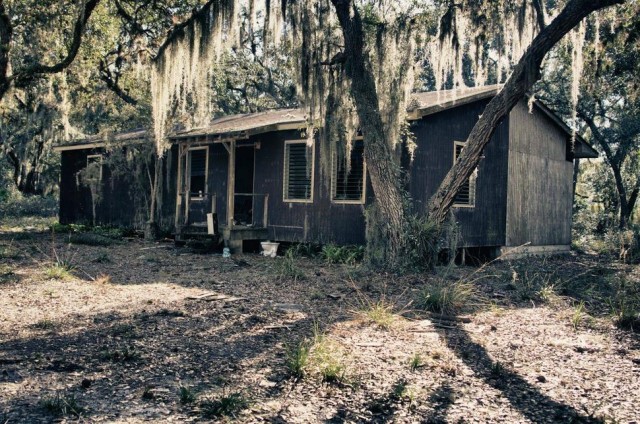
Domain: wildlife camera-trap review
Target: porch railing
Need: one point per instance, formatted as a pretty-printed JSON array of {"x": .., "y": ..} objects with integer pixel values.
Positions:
[{"x": 251, "y": 209}]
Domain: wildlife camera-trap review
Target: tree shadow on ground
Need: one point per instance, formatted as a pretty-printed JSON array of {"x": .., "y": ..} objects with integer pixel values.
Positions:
[
  {"x": 147, "y": 350},
  {"x": 526, "y": 398}
]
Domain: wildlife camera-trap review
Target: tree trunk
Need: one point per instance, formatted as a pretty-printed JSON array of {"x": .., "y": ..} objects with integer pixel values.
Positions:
[
  {"x": 615, "y": 161},
  {"x": 524, "y": 75},
  {"x": 381, "y": 164}
]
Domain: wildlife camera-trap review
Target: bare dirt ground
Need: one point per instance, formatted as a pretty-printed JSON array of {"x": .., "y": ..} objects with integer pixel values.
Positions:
[{"x": 116, "y": 341}]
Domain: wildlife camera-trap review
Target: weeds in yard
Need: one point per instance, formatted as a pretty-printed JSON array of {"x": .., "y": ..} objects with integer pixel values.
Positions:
[
  {"x": 402, "y": 392},
  {"x": 59, "y": 272},
  {"x": 226, "y": 406},
  {"x": 103, "y": 279},
  {"x": 9, "y": 252},
  {"x": 416, "y": 362},
  {"x": 497, "y": 370},
  {"x": 187, "y": 395},
  {"x": 349, "y": 255},
  {"x": 624, "y": 304},
  {"x": 287, "y": 266},
  {"x": 379, "y": 313},
  {"x": 297, "y": 359},
  {"x": 125, "y": 354},
  {"x": 6, "y": 274},
  {"x": 327, "y": 358},
  {"x": 318, "y": 355},
  {"x": 447, "y": 297},
  {"x": 578, "y": 316},
  {"x": 61, "y": 404}
]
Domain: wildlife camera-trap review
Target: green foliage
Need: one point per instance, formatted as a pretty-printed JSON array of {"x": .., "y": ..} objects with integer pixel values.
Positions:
[
  {"x": 186, "y": 395},
  {"x": 124, "y": 354},
  {"x": 59, "y": 271},
  {"x": 419, "y": 244},
  {"x": 61, "y": 404},
  {"x": 226, "y": 406},
  {"x": 625, "y": 303},
  {"x": 416, "y": 362},
  {"x": 297, "y": 359},
  {"x": 380, "y": 313},
  {"x": 447, "y": 297},
  {"x": 579, "y": 315},
  {"x": 349, "y": 255},
  {"x": 17, "y": 205},
  {"x": 287, "y": 266}
]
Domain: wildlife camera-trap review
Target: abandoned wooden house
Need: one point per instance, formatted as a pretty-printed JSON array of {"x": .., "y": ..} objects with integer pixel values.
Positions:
[{"x": 259, "y": 177}]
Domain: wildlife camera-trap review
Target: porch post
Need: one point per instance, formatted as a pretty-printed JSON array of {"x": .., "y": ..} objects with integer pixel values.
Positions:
[
  {"x": 179, "y": 189},
  {"x": 231, "y": 182}
]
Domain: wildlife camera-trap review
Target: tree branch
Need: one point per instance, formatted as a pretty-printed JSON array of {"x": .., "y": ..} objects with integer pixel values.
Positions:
[
  {"x": 23, "y": 77},
  {"x": 112, "y": 83}
]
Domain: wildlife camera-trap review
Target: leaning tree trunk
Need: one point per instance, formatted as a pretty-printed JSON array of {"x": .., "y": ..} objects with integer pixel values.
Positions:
[
  {"x": 525, "y": 74},
  {"x": 381, "y": 164}
]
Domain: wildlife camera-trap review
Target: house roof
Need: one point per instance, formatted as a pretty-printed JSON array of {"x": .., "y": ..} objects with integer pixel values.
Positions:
[
  {"x": 101, "y": 140},
  {"x": 248, "y": 124}
]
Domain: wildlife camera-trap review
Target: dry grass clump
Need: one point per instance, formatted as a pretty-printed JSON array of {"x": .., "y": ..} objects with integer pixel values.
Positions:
[
  {"x": 58, "y": 272},
  {"x": 448, "y": 297},
  {"x": 319, "y": 356}
]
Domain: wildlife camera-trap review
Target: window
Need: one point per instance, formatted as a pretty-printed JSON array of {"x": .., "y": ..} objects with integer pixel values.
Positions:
[
  {"x": 298, "y": 171},
  {"x": 95, "y": 161},
  {"x": 466, "y": 196},
  {"x": 348, "y": 179},
  {"x": 198, "y": 164}
]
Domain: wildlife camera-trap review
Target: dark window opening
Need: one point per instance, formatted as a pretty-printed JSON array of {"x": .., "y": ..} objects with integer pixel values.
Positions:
[
  {"x": 198, "y": 172},
  {"x": 298, "y": 172},
  {"x": 466, "y": 194}
]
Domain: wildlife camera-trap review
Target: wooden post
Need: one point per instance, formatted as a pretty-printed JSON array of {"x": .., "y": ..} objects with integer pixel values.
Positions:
[
  {"x": 179, "y": 189},
  {"x": 265, "y": 210},
  {"x": 231, "y": 182}
]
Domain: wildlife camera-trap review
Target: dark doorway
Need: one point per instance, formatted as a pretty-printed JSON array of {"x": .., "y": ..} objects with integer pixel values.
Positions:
[
  {"x": 198, "y": 184},
  {"x": 243, "y": 202}
]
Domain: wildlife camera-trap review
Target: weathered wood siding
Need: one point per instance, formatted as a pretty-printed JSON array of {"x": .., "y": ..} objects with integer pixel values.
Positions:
[
  {"x": 321, "y": 221},
  {"x": 120, "y": 204},
  {"x": 540, "y": 193},
  {"x": 484, "y": 224}
]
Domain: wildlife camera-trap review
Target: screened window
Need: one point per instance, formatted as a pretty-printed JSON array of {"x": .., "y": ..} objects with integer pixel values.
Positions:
[
  {"x": 348, "y": 177},
  {"x": 298, "y": 172},
  {"x": 94, "y": 163},
  {"x": 467, "y": 194},
  {"x": 198, "y": 172}
]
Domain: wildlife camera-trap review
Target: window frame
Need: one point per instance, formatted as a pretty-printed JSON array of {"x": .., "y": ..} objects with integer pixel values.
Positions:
[
  {"x": 100, "y": 160},
  {"x": 285, "y": 171},
  {"x": 206, "y": 172},
  {"x": 471, "y": 180},
  {"x": 334, "y": 177}
]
